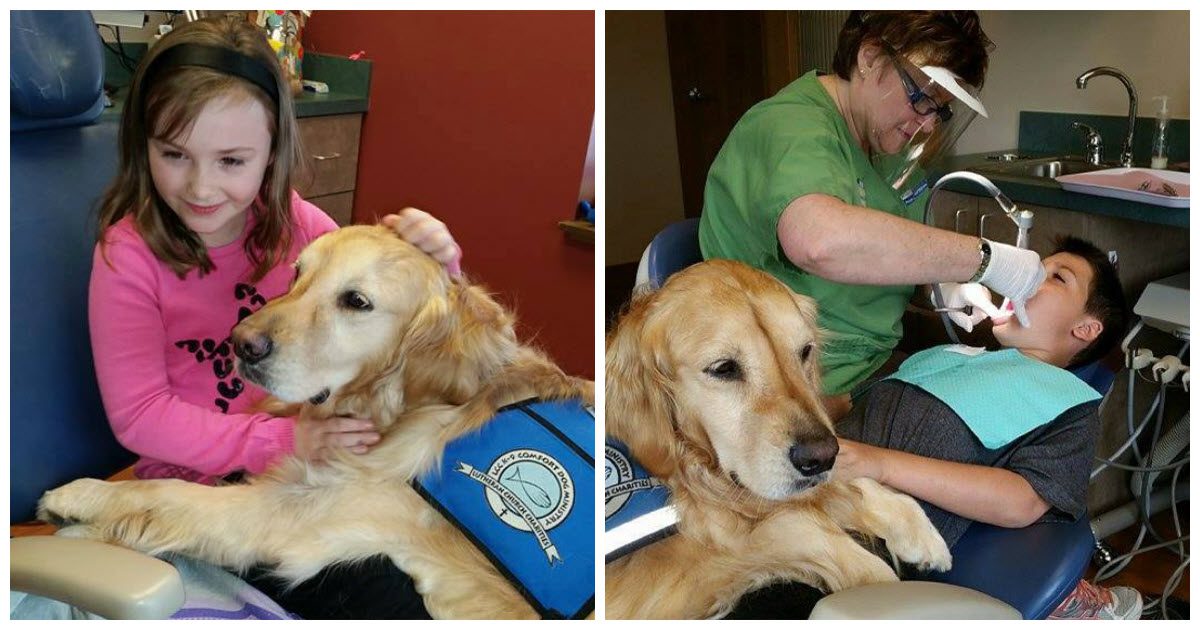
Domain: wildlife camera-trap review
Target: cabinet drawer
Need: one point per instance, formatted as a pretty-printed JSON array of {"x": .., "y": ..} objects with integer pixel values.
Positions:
[
  {"x": 338, "y": 206},
  {"x": 331, "y": 150}
]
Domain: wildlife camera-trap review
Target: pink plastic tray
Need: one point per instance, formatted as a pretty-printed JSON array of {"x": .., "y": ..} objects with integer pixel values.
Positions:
[{"x": 1125, "y": 183}]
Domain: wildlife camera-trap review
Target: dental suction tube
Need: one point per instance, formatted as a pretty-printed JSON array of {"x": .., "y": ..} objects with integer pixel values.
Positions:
[{"x": 1022, "y": 218}]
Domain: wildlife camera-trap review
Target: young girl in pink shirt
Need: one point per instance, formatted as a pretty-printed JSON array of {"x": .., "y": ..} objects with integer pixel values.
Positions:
[{"x": 199, "y": 229}]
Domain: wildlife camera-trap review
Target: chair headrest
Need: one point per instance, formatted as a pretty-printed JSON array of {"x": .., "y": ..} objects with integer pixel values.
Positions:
[{"x": 56, "y": 76}]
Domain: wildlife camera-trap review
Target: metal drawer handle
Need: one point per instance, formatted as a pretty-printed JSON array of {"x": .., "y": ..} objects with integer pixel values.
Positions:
[{"x": 331, "y": 156}]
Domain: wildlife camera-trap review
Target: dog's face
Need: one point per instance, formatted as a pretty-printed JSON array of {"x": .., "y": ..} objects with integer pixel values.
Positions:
[
  {"x": 357, "y": 292},
  {"x": 726, "y": 368}
]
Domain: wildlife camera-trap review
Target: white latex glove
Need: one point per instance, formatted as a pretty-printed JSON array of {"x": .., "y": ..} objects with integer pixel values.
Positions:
[
  {"x": 957, "y": 296},
  {"x": 1016, "y": 274}
]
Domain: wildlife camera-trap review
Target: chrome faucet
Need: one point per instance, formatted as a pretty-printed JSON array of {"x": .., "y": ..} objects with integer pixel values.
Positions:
[
  {"x": 1081, "y": 82},
  {"x": 1093, "y": 142}
]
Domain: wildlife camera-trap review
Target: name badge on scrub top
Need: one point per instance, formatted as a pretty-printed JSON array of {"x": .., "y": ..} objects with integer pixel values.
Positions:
[{"x": 911, "y": 194}]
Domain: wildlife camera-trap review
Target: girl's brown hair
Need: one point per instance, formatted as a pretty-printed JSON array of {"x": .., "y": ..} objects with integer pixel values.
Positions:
[
  {"x": 950, "y": 39},
  {"x": 165, "y": 108}
]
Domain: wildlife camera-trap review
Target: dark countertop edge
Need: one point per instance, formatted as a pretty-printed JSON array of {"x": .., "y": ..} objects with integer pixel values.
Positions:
[
  {"x": 312, "y": 104},
  {"x": 308, "y": 105},
  {"x": 1050, "y": 193}
]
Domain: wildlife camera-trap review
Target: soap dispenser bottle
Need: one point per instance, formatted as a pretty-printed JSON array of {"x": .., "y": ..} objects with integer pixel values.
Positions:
[{"x": 1158, "y": 151}]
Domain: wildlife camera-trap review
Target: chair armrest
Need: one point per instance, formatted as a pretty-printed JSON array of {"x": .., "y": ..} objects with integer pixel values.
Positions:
[
  {"x": 911, "y": 600},
  {"x": 110, "y": 581}
]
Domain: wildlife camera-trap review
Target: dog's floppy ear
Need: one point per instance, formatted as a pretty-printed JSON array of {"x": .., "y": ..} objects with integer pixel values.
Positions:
[
  {"x": 808, "y": 312},
  {"x": 455, "y": 344},
  {"x": 639, "y": 408}
]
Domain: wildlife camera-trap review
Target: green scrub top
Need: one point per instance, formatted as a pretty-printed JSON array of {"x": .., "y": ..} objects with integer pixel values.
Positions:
[{"x": 787, "y": 146}]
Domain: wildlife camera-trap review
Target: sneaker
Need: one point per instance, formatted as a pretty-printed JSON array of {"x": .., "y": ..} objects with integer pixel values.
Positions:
[{"x": 1089, "y": 601}]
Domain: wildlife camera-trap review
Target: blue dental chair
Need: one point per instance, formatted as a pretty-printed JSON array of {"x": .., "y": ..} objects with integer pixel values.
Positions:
[
  {"x": 63, "y": 156},
  {"x": 62, "y": 160},
  {"x": 1032, "y": 569}
]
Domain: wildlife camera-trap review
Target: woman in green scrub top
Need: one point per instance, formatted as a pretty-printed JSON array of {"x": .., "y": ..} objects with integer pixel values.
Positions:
[{"x": 821, "y": 185}]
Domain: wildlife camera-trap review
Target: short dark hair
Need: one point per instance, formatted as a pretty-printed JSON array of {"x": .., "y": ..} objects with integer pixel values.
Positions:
[
  {"x": 950, "y": 39},
  {"x": 1105, "y": 300}
]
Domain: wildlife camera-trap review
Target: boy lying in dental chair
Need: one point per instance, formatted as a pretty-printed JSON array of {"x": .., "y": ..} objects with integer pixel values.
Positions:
[{"x": 1005, "y": 437}]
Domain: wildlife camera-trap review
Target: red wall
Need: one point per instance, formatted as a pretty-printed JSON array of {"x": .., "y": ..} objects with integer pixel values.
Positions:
[{"x": 482, "y": 119}]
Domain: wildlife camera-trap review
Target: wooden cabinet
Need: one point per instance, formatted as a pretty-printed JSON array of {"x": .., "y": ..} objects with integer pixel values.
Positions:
[
  {"x": 954, "y": 211},
  {"x": 331, "y": 151}
]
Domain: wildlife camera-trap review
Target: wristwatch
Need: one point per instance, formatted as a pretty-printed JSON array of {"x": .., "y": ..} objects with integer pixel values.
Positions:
[{"x": 985, "y": 257}]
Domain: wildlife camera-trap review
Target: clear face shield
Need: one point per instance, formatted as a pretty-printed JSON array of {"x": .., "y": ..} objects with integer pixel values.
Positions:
[{"x": 923, "y": 111}]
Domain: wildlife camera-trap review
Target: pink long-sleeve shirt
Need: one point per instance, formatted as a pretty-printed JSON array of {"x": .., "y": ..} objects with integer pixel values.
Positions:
[{"x": 164, "y": 360}]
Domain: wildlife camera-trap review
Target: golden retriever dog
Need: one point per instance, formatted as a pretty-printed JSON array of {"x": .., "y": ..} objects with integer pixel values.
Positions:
[
  {"x": 371, "y": 328},
  {"x": 713, "y": 385}
]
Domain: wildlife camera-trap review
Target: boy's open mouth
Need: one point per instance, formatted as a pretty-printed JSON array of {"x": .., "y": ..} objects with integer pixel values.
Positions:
[{"x": 1000, "y": 320}]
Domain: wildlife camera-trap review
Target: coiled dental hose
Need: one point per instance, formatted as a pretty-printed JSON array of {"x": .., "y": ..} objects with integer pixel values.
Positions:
[{"x": 1171, "y": 453}]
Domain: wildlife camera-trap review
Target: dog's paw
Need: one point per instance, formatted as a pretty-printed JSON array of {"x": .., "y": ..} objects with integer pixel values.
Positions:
[
  {"x": 921, "y": 545},
  {"x": 72, "y": 503},
  {"x": 936, "y": 556}
]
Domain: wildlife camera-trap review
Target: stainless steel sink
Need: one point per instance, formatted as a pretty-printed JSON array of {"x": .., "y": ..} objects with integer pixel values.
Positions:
[{"x": 1042, "y": 168}]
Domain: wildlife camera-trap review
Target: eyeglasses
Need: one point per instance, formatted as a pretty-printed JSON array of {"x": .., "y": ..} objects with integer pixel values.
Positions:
[{"x": 922, "y": 103}]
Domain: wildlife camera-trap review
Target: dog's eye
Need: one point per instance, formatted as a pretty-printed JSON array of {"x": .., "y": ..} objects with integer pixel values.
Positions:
[
  {"x": 355, "y": 301},
  {"x": 725, "y": 370},
  {"x": 805, "y": 352}
]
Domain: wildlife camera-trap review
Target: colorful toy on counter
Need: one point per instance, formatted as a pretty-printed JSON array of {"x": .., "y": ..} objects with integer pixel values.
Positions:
[{"x": 284, "y": 29}]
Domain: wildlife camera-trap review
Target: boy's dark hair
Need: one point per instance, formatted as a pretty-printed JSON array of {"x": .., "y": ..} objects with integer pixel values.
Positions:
[{"x": 1105, "y": 300}]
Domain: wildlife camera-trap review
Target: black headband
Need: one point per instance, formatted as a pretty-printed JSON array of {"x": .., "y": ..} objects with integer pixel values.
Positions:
[{"x": 217, "y": 58}]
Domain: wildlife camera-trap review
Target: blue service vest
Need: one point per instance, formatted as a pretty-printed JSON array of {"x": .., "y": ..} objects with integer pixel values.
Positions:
[
  {"x": 522, "y": 489},
  {"x": 637, "y": 508}
]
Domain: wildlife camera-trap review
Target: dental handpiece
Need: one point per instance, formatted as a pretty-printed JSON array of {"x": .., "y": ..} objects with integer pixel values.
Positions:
[{"x": 1022, "y": 218}]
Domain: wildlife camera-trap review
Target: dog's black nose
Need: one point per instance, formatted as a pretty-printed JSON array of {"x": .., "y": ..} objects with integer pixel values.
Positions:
[
  {"x": 814, "y": 456},
  {"x": 252, "y": 348}
]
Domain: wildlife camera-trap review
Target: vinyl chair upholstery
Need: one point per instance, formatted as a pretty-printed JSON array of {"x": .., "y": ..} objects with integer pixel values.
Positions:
[
  {"x": 60, "y": 168},
  {"x": 1031, "y": 569},
  {"x": 673, "y": 249},
  {"x": 61, "y": 161}
]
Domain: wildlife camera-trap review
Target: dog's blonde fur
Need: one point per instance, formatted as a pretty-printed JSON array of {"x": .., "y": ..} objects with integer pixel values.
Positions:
[
  {"x": 431, "y": 360},
  {"x": 746, "y": 517}
]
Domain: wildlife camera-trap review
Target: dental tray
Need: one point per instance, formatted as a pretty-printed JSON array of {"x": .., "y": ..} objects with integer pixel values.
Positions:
[{"x": 1144, "y": 185}]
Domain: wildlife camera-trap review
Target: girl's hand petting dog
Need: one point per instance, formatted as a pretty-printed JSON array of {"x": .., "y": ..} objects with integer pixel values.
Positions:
[
  {"x": 313, "y": 438},
  {"x": 430, "y": 235}
]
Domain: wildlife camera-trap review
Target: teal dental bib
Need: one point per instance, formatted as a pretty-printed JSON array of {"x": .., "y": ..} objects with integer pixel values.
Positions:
[{"x": 999, "y": 395}]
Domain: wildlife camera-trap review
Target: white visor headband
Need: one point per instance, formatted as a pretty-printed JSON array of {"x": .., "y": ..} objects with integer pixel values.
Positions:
[{"x": 950, "y": 82}]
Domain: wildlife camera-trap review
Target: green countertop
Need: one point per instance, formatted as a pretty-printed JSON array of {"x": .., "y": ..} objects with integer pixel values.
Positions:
[
  {"x": 349, "y": 82},
  {"x": 1047, "y": 192},
  {"x": 307, "y": 104}
]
